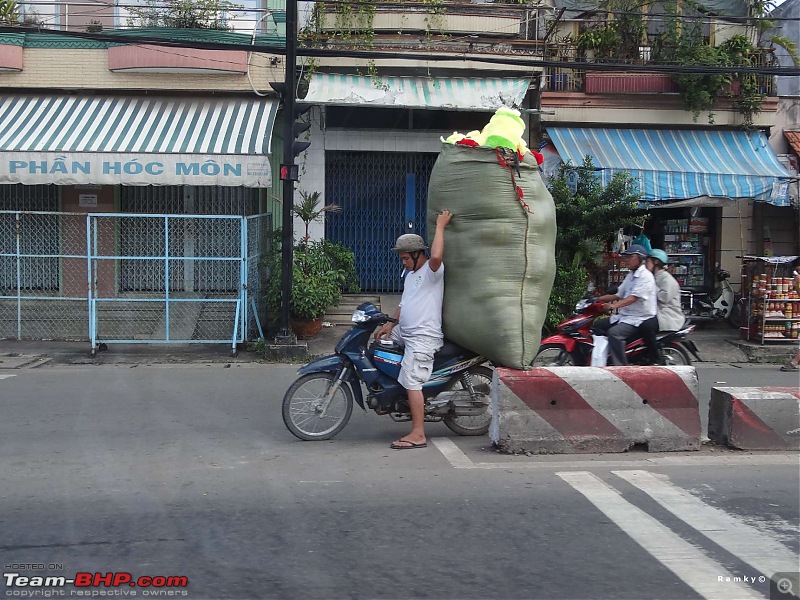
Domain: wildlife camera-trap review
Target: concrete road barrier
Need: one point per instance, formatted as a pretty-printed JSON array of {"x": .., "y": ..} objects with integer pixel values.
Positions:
[
  {"x": 565, "y": 410},
  {"x": 755, "y": 418}
]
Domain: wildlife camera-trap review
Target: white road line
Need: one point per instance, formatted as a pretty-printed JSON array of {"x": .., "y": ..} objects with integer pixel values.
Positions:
[
  {"x": 751, "y": 545},
  {"x": 453, "y": 453},
  {"x": 459, "y": 460},
  {"x": 690, "y": 563},
  {"x": 5, "y": 376}
]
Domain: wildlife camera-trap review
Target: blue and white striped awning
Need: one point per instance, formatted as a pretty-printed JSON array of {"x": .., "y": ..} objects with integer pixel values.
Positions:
[
  {"x": 680, "y": 164},
  {"x": 418, "y": 92},
  {"x": 135, "y": 140}
]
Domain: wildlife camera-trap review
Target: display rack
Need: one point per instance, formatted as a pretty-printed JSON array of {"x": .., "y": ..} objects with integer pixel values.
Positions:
[
  {"x": 684, "y": 242},
  {"x": 774, "y": 306}
]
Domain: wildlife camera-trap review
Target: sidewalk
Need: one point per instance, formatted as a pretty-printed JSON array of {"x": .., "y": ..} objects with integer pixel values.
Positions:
[{"x": 717, "y": 343}]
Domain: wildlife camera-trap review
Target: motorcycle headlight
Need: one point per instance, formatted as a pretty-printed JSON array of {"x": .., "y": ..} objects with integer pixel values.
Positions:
[{"x": 359, "y": 316}]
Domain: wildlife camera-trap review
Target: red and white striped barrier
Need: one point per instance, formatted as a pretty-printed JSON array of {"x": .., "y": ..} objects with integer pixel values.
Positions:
[
  {"x": 755, "y": 418},
  {"x": 566, "y": 410}
]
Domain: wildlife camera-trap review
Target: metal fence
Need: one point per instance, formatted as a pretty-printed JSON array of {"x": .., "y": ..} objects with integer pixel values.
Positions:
[{"x": 133, "y": 278}]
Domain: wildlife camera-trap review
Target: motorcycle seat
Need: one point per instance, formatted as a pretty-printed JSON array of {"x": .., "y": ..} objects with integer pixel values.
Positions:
[
  {"x": 447, "y": 352},
  {"x": 686, "y": 323},
  {"x": 451, "y": 350}
]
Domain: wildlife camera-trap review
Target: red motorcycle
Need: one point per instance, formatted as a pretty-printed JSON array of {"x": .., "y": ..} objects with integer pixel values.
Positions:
[{"x": 572, "y": 343}]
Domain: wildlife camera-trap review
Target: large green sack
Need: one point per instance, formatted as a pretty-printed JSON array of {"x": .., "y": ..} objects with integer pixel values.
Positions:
[{"x": 499, "y": 256}]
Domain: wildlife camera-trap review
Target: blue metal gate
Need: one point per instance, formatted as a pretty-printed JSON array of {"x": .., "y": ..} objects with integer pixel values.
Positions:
[{"x": 383, "y": 195}]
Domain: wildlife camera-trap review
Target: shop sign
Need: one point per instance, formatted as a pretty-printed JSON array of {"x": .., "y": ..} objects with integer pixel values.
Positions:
[{"x": 31, "y": 168}]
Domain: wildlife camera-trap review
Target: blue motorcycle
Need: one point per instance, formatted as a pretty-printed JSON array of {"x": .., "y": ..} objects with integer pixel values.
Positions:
[{"x": 319, "y": 403}]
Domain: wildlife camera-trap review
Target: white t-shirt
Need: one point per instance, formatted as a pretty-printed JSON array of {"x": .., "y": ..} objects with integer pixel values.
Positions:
[
  {"x": 421, "y": 304},
  {"x": 642, "y": 284}
]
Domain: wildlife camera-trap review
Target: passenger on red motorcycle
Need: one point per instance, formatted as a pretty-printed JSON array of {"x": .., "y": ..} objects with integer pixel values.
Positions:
[
  {"x": 670, "y": 314},
  {"x": 635, "y": 303}
]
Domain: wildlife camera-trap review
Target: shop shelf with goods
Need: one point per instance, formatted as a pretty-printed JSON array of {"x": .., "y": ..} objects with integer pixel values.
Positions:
[
  {"x": 685, "y": 241},
  {"x": 773, "y": 304},
  {"x": 610, "y": 271}
]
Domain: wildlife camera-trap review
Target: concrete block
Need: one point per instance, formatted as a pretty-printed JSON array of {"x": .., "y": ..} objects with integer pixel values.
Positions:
[
  {"x": 287, "y": 353},
  {"x": 565, "y": 410},
  {"x": 755, "y": 418}
]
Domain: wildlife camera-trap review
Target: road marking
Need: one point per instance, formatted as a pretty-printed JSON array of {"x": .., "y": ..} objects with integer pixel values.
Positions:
[
  {"x": 691, "y": 564},
  {"x": 5, "y": 376},
  {"x": 453, "y": 453},
  {"x": 459, "y": 460},
  {"x": 737, "y": 537}
]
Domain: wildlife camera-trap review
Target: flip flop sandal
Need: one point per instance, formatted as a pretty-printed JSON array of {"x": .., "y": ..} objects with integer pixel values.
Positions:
[{"x": 406, "y": 445}]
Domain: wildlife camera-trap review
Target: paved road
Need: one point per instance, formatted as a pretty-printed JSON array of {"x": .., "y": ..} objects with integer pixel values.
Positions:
[{"x": 188, "y": 471}]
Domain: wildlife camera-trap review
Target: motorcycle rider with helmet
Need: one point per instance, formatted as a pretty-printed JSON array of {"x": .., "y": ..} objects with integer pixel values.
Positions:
[
  {"x": 419, "y": 322},
  {"x": 635, "y": 302},
  {"x": 670, "y": 315}
]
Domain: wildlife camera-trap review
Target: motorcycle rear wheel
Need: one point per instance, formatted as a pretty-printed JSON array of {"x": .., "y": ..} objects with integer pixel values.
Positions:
[
  {"x": 552, "y": 355},
  {"x": 676, "y": 355},
  {"x": 302, "y": 405},
  {"x": 474, "y": 424}
]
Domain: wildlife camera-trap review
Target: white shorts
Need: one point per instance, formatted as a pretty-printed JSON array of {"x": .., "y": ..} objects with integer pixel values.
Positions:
[{"x": 417, "y": 365}]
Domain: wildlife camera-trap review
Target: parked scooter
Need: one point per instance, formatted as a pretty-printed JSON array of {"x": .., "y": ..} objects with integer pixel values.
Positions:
[
  {"x": 722, "y": 304},
  {"x": 319, "y": 403},
  {"x": 573, "y": 343}
]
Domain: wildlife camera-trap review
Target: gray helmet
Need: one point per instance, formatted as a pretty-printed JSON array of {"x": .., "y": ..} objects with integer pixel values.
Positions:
[{"x": 409, "y": 242}]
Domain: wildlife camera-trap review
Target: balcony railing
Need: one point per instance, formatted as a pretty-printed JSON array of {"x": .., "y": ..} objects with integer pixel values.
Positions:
[{"x": 589, "y": 81}]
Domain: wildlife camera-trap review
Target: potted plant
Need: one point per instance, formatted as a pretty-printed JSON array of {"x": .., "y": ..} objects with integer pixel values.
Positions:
[{"x": 316, "y": 285}]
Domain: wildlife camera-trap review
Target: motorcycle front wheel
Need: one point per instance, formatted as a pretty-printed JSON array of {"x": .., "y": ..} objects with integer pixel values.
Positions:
[
  {"x": 675, "y": 355},
  {"x": 473, "y": 424},
  {"x": 552, "y": 355},
  {"x": 302, "y": 407}
]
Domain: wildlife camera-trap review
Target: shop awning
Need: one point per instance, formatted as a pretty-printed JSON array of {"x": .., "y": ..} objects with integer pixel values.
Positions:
[
  {"x": 417, "y": 92},
  {"x": 681, "y": 164},
  {"x": 135, "y": 140}
]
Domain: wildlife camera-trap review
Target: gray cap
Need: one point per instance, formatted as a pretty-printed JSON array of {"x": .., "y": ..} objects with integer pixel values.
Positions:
[
  {"x": 636, "y": 249},
  {"x": 409, "y": 242}
]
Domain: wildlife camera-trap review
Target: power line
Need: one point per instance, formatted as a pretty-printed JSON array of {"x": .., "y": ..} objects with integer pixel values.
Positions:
[{"x": 511, "y": 60}]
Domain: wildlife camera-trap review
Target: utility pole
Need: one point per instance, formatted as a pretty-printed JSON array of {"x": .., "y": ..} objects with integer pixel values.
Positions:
[{"x": 288, "y": 172}]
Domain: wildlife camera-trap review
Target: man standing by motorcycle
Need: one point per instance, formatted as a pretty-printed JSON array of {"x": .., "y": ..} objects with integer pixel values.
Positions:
[
  {"x": 635, "y": 302},
  {"x": 419, "y": 322},
  {"x": 668, "y": 293}
]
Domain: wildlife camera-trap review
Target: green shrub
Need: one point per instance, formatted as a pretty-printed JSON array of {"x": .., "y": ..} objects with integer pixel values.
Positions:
[
  {"x": 568, "y": 287},
  {"x": 587, "y": 219},
  {"x": 321, "y": 272},
  {"x": 344, "y": 261},
  {"x": 315, "y": 282}
]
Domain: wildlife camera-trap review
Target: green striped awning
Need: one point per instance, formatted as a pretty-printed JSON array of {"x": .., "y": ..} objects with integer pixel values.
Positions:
[
  {"x": 453, "y": 93},
  {"x": 135, "y": 125},
  {"x": 135, "y": 140}
]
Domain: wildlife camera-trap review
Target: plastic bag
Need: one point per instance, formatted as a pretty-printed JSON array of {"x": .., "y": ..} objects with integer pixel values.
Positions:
[{"x": 600, "y": 351}]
